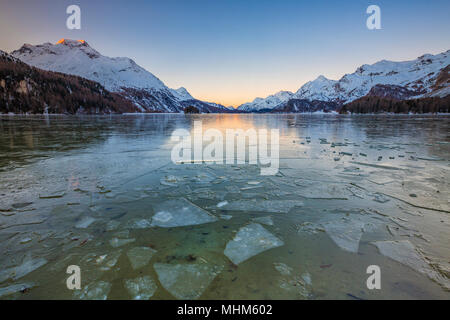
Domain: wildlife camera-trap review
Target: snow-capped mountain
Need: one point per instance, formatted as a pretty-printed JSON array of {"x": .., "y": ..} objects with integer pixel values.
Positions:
[
  {"x": 24, "y": 89},
  {"x": 182, "y": 94},
  {"x": 120, "y": 75},
  {"x": 417, "y": 76},
  {"x": 268, "y": 103},
  {"x": 77, "y": 57},
  {"x": 322, "y": 89}
]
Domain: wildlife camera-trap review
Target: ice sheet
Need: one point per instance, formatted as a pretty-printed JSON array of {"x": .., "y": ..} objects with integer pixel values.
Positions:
[{"x": 275, "y": 206}]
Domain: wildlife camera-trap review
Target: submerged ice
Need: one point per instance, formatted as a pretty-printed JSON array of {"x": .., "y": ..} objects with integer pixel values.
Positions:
[
  {"x": 97, "y": 290},
  {"x": 250, "y": 240},
  {"x": 179, "y": 213},
  {"x": 142, "y": 288},
  {"x": 140, "y": 256},
  {"x": 186, "y": 281},
  {"x": 346, "y": 233}
]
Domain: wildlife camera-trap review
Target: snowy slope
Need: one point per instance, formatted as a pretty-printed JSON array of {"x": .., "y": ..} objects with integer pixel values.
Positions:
[
  {"x": 78, "y": 58},
  {"x": 24, "y": 89},
  {"x": 182, "y": 94},
  {"x": 417, "y": 75},
  {"x": 121, "y": 75},
  {"x": 268, "y": 103}
]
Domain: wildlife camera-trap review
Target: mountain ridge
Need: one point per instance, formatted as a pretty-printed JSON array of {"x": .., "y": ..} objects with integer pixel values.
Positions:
[
  {"x": 419, "y": 76},
  {"x": 121, "y": 75},
  {"x": 426, "y": 76}
]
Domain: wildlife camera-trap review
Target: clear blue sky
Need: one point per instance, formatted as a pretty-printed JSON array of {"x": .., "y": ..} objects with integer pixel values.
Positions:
[{"x": 233, "y": 51}]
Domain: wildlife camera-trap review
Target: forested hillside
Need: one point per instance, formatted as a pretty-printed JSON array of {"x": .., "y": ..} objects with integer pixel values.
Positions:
[
  {"x": 373, "y": 104},
  {"x": 25, "y": 89}
]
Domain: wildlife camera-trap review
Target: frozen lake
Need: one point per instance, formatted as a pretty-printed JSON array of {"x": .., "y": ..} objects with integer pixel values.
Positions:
[{"x": 103, "y": 193}]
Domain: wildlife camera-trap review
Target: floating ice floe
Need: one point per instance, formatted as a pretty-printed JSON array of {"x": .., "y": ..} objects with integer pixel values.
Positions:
[
  {"x": 186, "y": 281},
  {"x": 85, "y": 223},
  {"x": 346, "y": 233},
  {"x": 140, "y": 256},
  {"x": 221, "y": 204},
  {"x": 264, "y": 220},
  {"x": 430, "y": 158},
  {"x": 142, "y": 288},
  {"x": 180, "y": 212},
  {"x": 404, "y": 252},
  {"x": 109, "y": 261},
  {"x": 94, "y": 264},
  {"x": 25, "y": 240},
  {"x": 6, "y": 291},
  {"x": 380, "y": 180},
  {"x": 21, "y": 205},
  {"x": 116, "y": 242},
  {"x": 250, "y": 241},
  {"x": 29, "y": 265},
  {"x": 252, "y": 188},
  {"x": 381, "y": 198},
  {"x": 98, "y": 290},
  {"x": 275, "y": 206},
  {"x": 378, "y": 166},
  {"x": 53, "y": 195}
]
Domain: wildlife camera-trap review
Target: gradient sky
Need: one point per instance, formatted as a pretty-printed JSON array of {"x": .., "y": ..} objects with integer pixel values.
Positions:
[{"x": 233, "y": 51}]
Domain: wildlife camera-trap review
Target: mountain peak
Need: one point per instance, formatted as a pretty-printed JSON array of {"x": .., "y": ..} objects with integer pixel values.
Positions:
[
  {"x": 322, "y": 78},
  {"x": 182, "y": 94},
  {"x": 70, "y": 42}
]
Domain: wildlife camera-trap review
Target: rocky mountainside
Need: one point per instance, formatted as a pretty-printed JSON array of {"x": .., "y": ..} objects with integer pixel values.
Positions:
[
  {"x": 25, "y": 89},
  {"x": 306, "y": 106},
  {"x": 425, "y": 76},
  {"x": 121, "y": 75},
  {"x": 391, "y": 91}
]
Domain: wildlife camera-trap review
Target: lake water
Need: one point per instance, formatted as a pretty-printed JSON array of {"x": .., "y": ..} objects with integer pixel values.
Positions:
[{"x": 102, "y": 193}]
